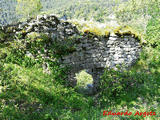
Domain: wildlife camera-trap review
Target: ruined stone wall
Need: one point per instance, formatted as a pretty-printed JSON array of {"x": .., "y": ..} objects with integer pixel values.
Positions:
[{"x": 93, "y": 53}]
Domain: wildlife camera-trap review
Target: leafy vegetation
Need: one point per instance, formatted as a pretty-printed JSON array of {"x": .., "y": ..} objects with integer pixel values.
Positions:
[
  {"x": 28, "y": 7},
  {"x": 33, "y": 86}
]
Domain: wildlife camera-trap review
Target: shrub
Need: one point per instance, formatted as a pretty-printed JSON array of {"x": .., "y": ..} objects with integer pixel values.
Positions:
[
  {"x": 118, "y": 86},
  {"x": 153, "y": 32}
]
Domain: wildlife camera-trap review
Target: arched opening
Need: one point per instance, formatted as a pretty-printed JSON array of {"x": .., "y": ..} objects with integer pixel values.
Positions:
[{"x": 84, "y": 82}]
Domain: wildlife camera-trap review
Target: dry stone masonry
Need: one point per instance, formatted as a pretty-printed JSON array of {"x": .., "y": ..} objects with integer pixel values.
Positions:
[
  {"x": 96, "y": 54},
  {"x": 93, "y": 53}
]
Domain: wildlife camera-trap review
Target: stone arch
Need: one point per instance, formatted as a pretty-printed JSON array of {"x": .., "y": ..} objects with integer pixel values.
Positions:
[
  {"x": 84, "y": 82},
  {"x": 97, "y": 53}
]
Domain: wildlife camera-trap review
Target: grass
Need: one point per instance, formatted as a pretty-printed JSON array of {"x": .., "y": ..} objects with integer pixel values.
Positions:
[{"x": 31, "y": 94}]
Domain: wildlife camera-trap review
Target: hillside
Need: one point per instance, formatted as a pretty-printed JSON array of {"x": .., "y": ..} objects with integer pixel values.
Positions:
[
  {"x": 74, "y": 60},
  {"x": 72, "y": 9}
]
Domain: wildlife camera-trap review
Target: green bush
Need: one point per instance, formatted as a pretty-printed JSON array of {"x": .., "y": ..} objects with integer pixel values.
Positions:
[
  {"x": 153, "y": 32},
  {"x": 119, "y": 86}
]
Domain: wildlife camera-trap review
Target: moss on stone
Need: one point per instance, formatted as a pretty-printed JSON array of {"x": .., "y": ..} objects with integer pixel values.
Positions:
[
  {"x": 128, "y": 31},
  {"x": 93, "y": 27},
  {"x": 107, "y": 33},
  {"x": 90, "y": 27},
  {"x": 93, "y": 31}
]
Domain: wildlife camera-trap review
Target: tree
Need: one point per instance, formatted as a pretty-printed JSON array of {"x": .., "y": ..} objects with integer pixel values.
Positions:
[{"x": 28, "y": 8}]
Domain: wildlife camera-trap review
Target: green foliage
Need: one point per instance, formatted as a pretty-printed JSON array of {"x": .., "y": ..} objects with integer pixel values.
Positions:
[
  {"x": 27, "y": 92},
  {"x": 66, "y": 46},
  {"x": 123, "y": 88},
  {"x": 28, "y": 8},
  {"x": 38, "y": 94},
  {"x": 16, "y": 55},
  {"x": 2, "y": 36},
  {"x": 30, "y": 51},
  {"x": 137, "y": 13},
  {"x": 115, "y": 85},
  {"x": 82, "y": 10},
  {"x": 153, "y": 32},
  {"x": 83, "y": 78}
]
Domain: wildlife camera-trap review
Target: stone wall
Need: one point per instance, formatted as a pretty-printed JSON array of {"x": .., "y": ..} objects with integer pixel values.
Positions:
[
  {"x": 95, "y": 54},
  {"x": 91, "y": 52}
]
